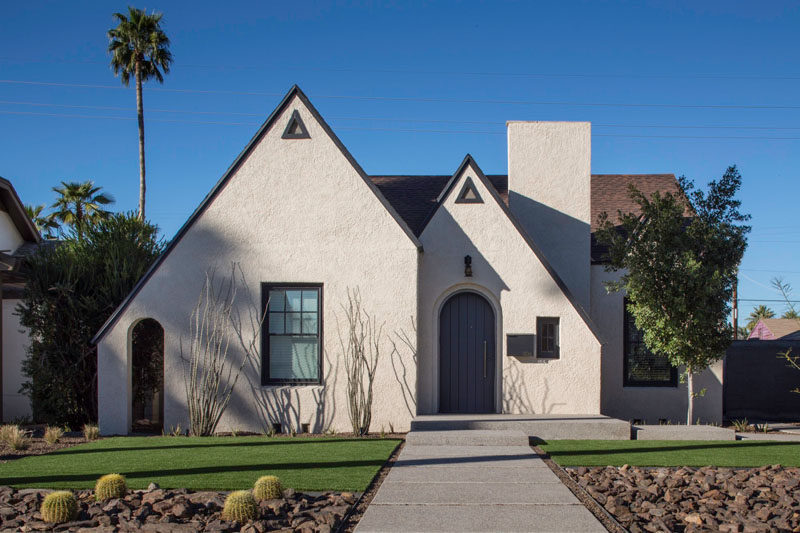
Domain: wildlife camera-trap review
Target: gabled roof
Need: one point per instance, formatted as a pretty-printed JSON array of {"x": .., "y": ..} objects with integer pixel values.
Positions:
[
  {"x": 293, "y": 92},
  {"x": 414, "y": 197},
  {"x": 11, "y": 202},
  {"x": 503, "y": 204},
  {"x": 781, "y": 328}
]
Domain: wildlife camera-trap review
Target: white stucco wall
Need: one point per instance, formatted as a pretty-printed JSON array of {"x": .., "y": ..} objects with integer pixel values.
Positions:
[
  {"x": 508, "y": 273},
  {"x": 15, "y": 342},
  {"x": 647, "y": 403},
  {"x": 549, "y": 190},
  {"x": 295, "y": 211},
  {"x": 10, "y": 238}
]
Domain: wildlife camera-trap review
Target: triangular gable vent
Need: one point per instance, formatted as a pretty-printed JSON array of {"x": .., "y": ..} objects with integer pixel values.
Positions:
[
  {"x": 295, "y": 129},
  {"x": 469, "y": 194}
]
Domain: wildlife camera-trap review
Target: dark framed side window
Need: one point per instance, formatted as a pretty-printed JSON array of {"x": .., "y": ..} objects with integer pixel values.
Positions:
[
  {"x": 642, "y": 368},
  {"x": 547, "y": 343},
  {"x": 291, "y": 335}
]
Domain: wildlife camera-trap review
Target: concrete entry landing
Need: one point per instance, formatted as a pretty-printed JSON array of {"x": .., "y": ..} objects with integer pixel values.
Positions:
[{"x": 543, "y": 427}]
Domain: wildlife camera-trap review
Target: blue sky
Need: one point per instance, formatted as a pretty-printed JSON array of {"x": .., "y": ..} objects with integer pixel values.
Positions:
[{"x": 555, "y": 61}]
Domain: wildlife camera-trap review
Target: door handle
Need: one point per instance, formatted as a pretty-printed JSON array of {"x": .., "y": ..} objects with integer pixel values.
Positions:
[{"x": 484, "y": 359}]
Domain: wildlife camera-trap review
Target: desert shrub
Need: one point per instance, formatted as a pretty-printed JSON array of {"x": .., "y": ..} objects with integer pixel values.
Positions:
[
  {"x": 240, "y": 506},
  {"x": 267, "y": 488},
  {"x": 59, "y": 507},
  {"x": 15, "y": 437},
  {"x": 5, "y": 432},
  {"x": 53, "y": 434},
  {"x": 72, "y": 288},
  {"x": 110, "y": 486},
  {"x": 91, "y": 432}
]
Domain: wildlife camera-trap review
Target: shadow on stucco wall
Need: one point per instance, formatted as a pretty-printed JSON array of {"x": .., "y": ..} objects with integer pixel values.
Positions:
[
  {"x": 517, "y": 397},
  {"x": 405, "y": 342}
]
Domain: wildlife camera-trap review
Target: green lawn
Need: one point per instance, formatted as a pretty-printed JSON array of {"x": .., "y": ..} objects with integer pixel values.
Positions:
[
  {"x": 213, "y": 463},
  {"x": 672, "y": 453}
]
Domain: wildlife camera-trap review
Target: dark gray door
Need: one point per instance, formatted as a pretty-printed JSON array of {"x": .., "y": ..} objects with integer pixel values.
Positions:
[{"x": 466, "y": 355}]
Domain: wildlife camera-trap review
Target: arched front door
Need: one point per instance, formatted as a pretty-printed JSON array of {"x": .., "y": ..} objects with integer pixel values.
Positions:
[{"x": 466, "y": 355}]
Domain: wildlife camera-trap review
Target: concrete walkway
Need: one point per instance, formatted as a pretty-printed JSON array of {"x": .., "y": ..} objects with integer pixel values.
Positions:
[{"x": 459, "y": 486}]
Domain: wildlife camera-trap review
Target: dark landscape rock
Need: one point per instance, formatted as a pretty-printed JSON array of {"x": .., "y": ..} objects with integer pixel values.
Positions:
[
  {"x": 748, "y": 500},
  {"x": 166, "y": 511}
]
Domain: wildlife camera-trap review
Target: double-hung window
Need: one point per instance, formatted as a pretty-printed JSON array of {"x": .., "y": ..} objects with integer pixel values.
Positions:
[
  {"x": 547, "y": 344},
  {"x": 292, "y": 333}
]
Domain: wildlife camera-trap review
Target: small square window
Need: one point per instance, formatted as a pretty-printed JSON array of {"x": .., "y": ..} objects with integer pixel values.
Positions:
[{"x": 547, "y": 344}]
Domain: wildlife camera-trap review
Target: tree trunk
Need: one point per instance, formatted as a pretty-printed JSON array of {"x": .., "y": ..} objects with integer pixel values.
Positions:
[
  {"x": 690, "y": 388},
  {"x": 140, "y": 116}
]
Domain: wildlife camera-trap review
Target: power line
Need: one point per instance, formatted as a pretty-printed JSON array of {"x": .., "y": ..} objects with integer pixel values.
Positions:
[
  {"x": 422, "y": 99},
  {"x": 538, "y": 75},
  {"x": 767, "y": 270},
  {"x": 396, "y": 130},
  {"x": 767, "y": 300},
  {"x": 386, "y": 119}
]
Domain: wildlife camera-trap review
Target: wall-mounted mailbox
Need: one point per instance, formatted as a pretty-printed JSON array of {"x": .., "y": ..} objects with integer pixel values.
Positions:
[{"x": 520, "y": 345}]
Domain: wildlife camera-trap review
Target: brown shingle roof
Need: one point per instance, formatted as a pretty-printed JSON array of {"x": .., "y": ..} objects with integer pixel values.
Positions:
[
  {"x": 782, "y": 327},
  {"x": 610, "y": 192},
  {"x": 414, "y": 197}
]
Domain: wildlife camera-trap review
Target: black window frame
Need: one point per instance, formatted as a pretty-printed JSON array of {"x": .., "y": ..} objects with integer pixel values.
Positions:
[
  {"x": 266, "y": 287},
  {"x": 541, "y": 322},
  {"x": 627, "y": 319}
]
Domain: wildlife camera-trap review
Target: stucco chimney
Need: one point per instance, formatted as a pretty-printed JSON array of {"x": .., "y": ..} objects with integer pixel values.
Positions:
[{"x": 549, "y": 185}]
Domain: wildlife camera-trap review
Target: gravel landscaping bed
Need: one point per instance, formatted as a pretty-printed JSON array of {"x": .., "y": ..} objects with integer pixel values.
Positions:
[
  {"x": 38, "y": 446},
  {"x": 180, "y": 510},
  {"x": 696, "y": 499}
]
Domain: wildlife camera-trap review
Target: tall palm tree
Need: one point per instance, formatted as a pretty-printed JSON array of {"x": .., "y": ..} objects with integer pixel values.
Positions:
[
  {"x": 44, "y": 223},
  {"x": 80, "y": 204},
  {"x": 791, "y": 313},
  {"x": 139, "y": 47},
  {"x": 762, "y": 311}
]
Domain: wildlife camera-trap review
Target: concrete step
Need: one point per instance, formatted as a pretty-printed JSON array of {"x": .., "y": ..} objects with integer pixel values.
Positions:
[
  {"x": 474, "y": 437},
  {"x": 676, "y": 432},
  {"x": 544, "y": 427}
]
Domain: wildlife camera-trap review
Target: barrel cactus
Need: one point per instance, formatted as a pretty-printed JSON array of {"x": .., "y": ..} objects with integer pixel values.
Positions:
[
  {"x": 110, "y": 486},
  {"x": 267, "y": 488},
  {"x": 59, "y": 507},
  {"x": 240, "y": 506}
]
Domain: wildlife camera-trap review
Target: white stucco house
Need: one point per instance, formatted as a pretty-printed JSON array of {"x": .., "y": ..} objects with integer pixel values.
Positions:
[
  {"x": 494, "y": 279},
  {"x": 18, "y": 237}
]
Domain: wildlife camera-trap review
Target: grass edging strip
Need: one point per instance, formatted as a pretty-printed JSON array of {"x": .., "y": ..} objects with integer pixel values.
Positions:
[
  {"x": 356, "y": 511},
  {"x": 608, "y": 521}
]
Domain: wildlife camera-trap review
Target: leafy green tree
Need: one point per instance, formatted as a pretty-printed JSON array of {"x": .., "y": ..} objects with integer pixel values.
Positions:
[
  {"x": 762, "y": 311},
  {"x": 45, "y": 224},
  {"x": 139, "y": 48},
  {"x": 680, "y": 255},
  {"x": 72, "y": 289},
  {"x": 791, "y": 313},
  {"x": 80, "y": 205}
]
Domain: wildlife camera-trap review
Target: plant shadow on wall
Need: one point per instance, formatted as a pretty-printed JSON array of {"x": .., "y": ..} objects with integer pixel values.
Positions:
[
  {"x": 401, "y": 343},
  {"x": 517, "y": 393},
  {"x": 280, "y": 404}
]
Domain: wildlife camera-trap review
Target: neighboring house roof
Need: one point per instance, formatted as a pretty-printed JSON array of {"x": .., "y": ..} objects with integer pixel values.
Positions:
[
  {"x": 10, "y": 202},
  {"x": 768, "y": 329},
  {"x": 414, "y": 197}
]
